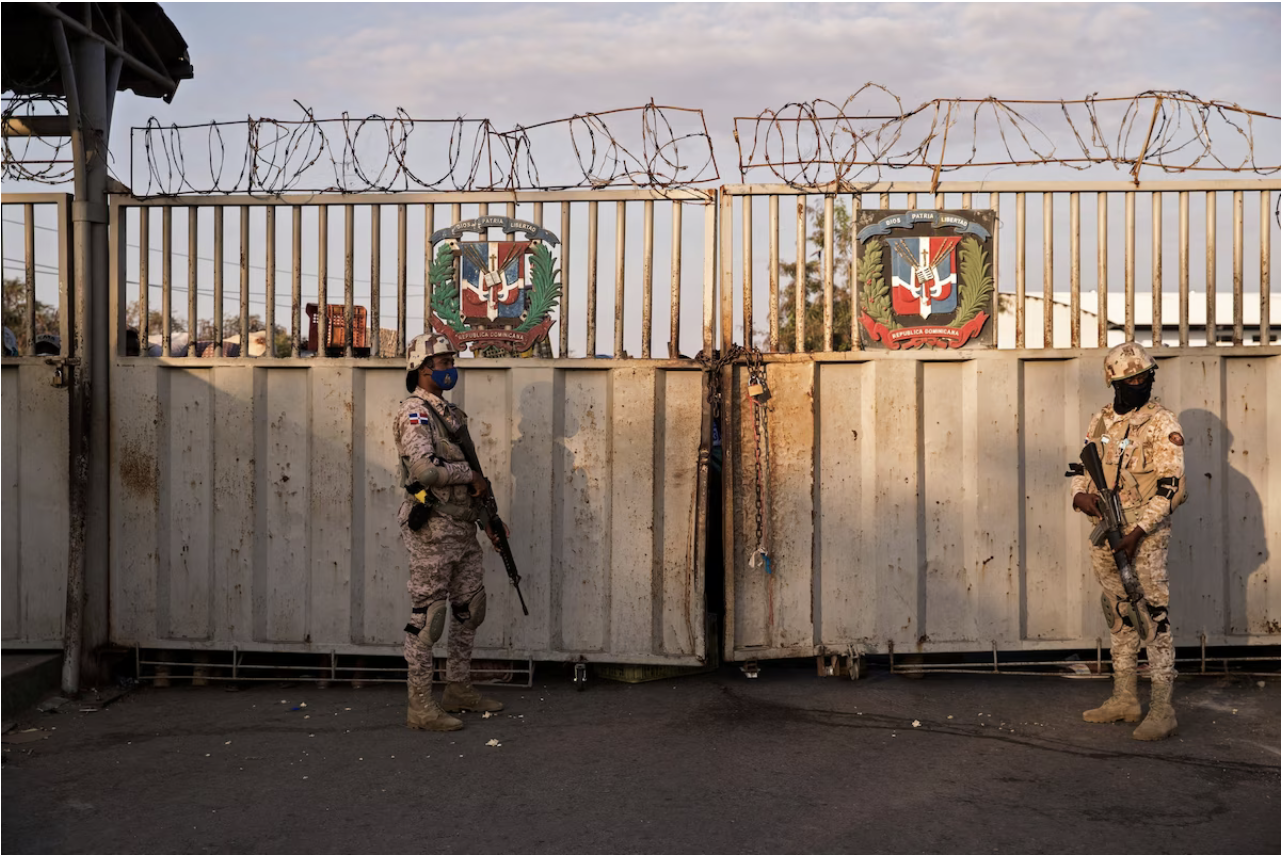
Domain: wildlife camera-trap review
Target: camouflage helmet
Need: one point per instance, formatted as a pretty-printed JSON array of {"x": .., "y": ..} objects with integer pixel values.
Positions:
[
  {"x": 424, "y": 347},
  {"x": 1125, "y": 361}
]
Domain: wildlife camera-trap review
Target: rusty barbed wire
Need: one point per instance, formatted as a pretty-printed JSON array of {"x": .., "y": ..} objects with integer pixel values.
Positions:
[
  {"x": 809, "y": 144},
  {"x": 36, "y": 159},
  {"x": 390, "y": 154}
]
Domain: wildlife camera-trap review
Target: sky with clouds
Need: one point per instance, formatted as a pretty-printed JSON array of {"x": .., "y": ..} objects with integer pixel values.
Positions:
[{"x": 528, "y": 63}]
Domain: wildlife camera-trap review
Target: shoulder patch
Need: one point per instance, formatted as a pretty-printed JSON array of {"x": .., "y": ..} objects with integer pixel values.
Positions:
[{"x": 1177, "y": 439}]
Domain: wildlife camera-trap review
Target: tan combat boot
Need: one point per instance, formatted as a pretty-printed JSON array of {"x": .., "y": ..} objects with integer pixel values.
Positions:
[
  {"x": 459, "y": 696},
  {"x": 1160, "y": 722},
  {"x": 425, "y": 714},
  {"x": 1123, "y": 705}
]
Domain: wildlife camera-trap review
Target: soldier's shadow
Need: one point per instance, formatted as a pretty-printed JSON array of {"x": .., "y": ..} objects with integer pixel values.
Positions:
[{"x": 1222, "y": 568}]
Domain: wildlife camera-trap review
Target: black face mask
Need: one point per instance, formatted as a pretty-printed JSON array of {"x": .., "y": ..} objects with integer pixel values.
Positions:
[{"x": 1129, "y": 397}]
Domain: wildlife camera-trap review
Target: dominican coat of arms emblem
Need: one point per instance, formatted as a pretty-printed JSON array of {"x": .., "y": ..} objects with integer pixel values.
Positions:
[
  {"x": 489, "y": 294},
  {"x": 925, "y": 278}
]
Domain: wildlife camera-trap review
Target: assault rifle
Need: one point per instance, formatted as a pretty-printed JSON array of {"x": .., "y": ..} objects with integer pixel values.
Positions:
[
  {"x": 490, "y": 514},
  {"x": 1110, "y": 527}
]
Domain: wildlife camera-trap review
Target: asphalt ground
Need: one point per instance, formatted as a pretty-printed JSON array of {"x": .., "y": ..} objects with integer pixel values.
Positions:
[{"x": 717, "y": 763}]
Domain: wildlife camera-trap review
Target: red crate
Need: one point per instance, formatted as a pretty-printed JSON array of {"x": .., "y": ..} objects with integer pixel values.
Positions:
[{"x": 337, "y": 338}]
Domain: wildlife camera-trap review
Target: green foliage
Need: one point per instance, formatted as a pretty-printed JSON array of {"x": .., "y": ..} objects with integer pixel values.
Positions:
[
  {"x": 15, "y": 313},
  {"x": 812, "y": 276},
  {"x": 546, "y": 290},
  {"x": 976, "y": 288},
  {"x": 876, "y": 292},
  {"x": 445, "y": 297}
]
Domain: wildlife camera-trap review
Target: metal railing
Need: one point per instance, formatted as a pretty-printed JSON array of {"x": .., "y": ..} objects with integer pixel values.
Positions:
[
  {"x": 393, "y": 256},
  {"x": 283, "y": 254},
  {"x": 42, "y": 223},
  {"x": 743, "y": 317}
]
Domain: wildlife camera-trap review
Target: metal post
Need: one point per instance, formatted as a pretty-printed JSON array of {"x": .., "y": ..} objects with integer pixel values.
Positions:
[{"x": 86, "y": 627}]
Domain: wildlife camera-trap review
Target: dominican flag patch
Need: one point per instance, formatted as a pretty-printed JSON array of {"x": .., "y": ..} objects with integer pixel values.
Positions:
[{"x": 418, "y": 418}]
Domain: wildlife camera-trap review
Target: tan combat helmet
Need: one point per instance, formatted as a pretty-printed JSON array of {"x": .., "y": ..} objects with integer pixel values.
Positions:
[
  {"x": 1125, "y": 361},
  {"x": 420, "y": 350},
  {"x": 424, "y": 347}
]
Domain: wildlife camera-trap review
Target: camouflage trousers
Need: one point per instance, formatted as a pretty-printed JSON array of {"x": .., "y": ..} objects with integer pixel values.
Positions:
[
  {"x": 445, "y": 563},
  {"x": 1150, "y": 567}
]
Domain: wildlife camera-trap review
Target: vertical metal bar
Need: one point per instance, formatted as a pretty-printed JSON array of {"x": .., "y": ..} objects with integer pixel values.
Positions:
[
  {"x": 1075, "y": 269},
  {"x": 67, "y": 319},
  {"x": 674, "y": 322},
  {"x": 939, "y": 200},
  {"x": 620, "y": 245},
  {"x": 884, "y": 203},
  {"x": 966, "y": 200},
  {"x": 774, "y": 273},
  {"x": 726, "y": 258},
  {"x": 564, "y": 311},
  {"x": 349, "y": 278},
  {"x": 375, "y": 320},
  {"x": 912, "y": 200},
  {"x": 995, "y": 203},
  {"x": 322, "y": 279},
  {"x": 244, "y": 282},
  {"x": 856, "y": 332},
  {"x": 1212, "y": 334},
  {"x": 829, "y": 253},
  {"x": 429, "y": 227},
  {"x": 166, "y": 279},
  {"x": 647, "y": 280},
  {"x": 1048, "y": 271},
  {"x": 29, "y": 246},
  {"x": 1239, "y": 216},
  {"x": 748, "y": 309},
  {"x": 1101, "y": 242},
  {"x": 218, "y": 282},
  {"x": 1019, "y": 269},
  {"x": 269, "y": 283},
  {"x": 1157, "y": 269},
  {"x": 402, "y": 262},
  {"x": 296, "y": 279},
  {"x": 799, "y": 280},
  {"x": 192, "y": 280},
  {"x": 144, "y": 282},
  {"x": 709, "y": 275},
  {"x": 592, "y": 257},
  {"x": 1129, "y": 265},
  {"x": 1265, "y": 275},
  {"x": 1184, "y": 268}
]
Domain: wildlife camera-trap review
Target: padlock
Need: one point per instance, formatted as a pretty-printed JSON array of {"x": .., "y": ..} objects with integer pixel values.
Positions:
[{"x": 756, "y": 389}]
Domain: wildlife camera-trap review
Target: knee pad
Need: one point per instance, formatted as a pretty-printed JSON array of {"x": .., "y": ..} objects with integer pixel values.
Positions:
[
  {"x": 1113, "y": 614},
  {"x": 430, "y": 622},
  {"x": 471, "y": 612},
  {"x": 1161, "y": 619}
]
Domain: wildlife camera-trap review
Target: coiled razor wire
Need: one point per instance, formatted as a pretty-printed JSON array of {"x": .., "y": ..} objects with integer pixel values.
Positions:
[
  {"x": 855, "y": 143},
  {"x": 394, "y": 154}
]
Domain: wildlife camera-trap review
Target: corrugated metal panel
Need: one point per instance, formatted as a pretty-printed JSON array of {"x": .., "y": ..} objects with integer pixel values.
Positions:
[
  {"x": 923, "y": 503},
  {"x": 255, "y": 507},
  {"x": 35, "y": 523}
]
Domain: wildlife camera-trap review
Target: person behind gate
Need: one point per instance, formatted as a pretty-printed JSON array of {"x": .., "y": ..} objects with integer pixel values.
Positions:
[
  {"x": 438, "y": 521},
  {"x": 1141, "y": 443}
]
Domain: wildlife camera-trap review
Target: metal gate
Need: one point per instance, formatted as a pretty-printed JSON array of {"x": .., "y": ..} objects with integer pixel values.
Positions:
[{"x": 916, "y": 501}]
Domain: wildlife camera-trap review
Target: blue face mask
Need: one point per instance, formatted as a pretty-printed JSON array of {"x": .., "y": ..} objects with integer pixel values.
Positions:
[{"x": 445, "y": 379}]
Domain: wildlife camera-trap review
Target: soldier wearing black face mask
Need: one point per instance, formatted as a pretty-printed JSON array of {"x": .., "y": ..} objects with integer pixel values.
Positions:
[{"x": 1142, "y": 448}]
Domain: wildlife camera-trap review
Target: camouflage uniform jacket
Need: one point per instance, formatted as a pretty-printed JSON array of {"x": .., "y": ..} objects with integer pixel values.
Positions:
[
  {"x": 426, "y": 453},
  {"x": 1149, "y": 445}
]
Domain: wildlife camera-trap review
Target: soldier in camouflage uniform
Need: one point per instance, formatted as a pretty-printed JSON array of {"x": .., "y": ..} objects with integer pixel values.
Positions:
[
  {"x": 438, "y": 522},
  {"x": 1142, "y": 448}
]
